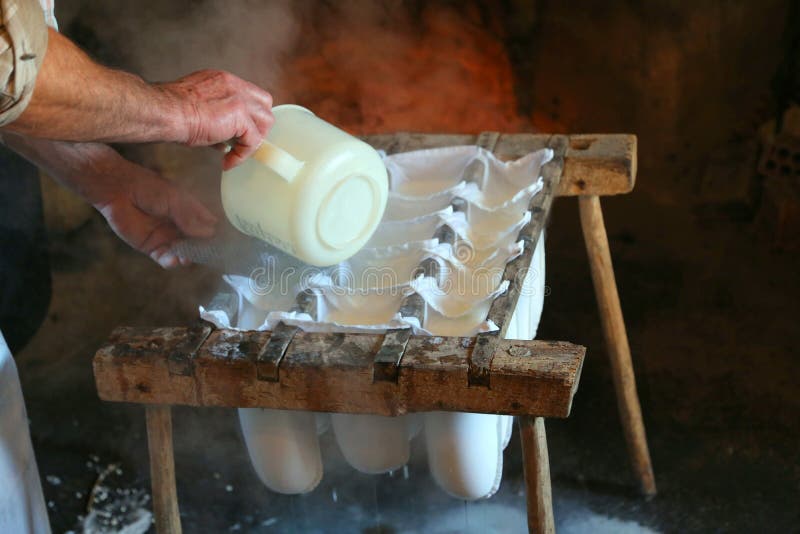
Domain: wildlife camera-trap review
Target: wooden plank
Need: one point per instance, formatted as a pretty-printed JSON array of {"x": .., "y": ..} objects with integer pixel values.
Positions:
[
  {"x": 536, "y": 467},
  {"x": 133, "y": 342},
  {"x": 488, "y": 140},
  {"x": 445, "y": 234},
  {"x": 514, "y": 146},
  {"x": 334, "y": 373},
  {"x": 386, "y": 365},
  {"x": 599, "y": 165},
  {"x": 387, "y": 360},
  {"x": 162, "y": 470},
  {"x": 616, "y": 338},
  {"x": 594, "y": 164},
  {"x": 503, "y": 306},
  {"x": 515, "y": 270}
]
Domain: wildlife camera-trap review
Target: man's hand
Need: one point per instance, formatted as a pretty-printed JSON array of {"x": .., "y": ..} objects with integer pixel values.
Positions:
[
  {"x": 219, "y": 107},
  {"x": 145, "y": 210},
  {"x": 76, "y": 99},
  {"x": 151, "y": 214}
]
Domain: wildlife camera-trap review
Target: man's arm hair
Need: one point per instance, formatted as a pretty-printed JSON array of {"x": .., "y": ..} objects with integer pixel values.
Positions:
[{"x": 77, "y": 99}]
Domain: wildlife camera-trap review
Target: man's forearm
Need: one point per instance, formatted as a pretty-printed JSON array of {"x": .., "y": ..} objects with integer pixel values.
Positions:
[
  {"x": 145, "y": 210},
  {"x": 89, "y": 169},
  {"x": 77, "y": 99}
]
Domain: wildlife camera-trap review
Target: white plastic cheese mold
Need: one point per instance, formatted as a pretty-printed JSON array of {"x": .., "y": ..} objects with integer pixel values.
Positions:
[{"x": 465, "y": 451}]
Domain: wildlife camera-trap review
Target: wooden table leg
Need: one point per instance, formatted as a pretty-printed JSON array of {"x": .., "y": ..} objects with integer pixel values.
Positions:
[
  {"x": 162, "y": 469},
  {"x": 619, "y": 352},
  {"x": 536, "y": 466}
]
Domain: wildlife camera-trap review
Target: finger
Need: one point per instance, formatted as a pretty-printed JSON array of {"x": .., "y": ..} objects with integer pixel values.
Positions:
[
  {"x": 182, "y": 259},
  {"x": 165, "y": 257},
  {"x": 222, "y": 147},
  {"x": 161, "y": 236},
  {"x": 157, "y": 253},
  {"x": 247, "y": 143},
  {"x": 169, "y": 260}
]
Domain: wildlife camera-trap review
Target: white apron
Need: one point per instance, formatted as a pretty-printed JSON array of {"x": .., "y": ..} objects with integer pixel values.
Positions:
[{"x": 22, "y": 508}]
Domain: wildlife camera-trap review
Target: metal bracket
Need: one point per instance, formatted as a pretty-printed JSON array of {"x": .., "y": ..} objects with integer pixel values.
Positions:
[
  {"x": 480, "y": 360},
  {"x": 269, "y": 359},
  {"x": 386, "y": 364},
  {"x": 180, "y": 360}
]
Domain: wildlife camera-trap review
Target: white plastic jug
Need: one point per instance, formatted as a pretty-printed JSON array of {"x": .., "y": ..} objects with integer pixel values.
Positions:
[{"x": 311, "y": 189}]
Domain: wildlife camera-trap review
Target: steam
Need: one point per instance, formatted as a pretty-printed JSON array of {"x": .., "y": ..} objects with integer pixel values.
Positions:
[
  {"x": 384, "y": 67},
  {"x": 368, "y": 66},
  {"x": 162, "y": 41}
]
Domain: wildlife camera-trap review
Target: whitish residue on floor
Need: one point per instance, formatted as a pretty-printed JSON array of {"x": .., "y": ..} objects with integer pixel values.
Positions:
[
  {"x": 583, "y": 521},
  {"x": 116, "y": 510}
]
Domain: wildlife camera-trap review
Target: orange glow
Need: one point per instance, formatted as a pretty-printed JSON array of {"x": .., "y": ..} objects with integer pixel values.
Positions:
[{"x": 450, "y": 74}]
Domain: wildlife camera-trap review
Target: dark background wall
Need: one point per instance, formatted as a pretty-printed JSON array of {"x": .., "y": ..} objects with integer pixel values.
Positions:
[{"x": 689, "y": 78}]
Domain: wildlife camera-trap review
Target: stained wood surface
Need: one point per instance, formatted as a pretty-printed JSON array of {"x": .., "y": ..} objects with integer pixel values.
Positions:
[
  {"x": 616, "y": 338},
  {"x": 594, "y": 164},
  {"x": 162, "y": 470},
  {"x": 334, "y": 373}
]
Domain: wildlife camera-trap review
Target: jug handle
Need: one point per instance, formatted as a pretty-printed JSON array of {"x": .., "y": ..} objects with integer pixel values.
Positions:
[{"x": 277, "y": 159}]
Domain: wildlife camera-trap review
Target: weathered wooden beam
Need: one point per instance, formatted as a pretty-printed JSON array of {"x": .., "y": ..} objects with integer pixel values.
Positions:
[
  {"x": 334, "y": 373},
  {"x": 594, "y": 164},
  {"x": 599, "y": 164},
  {"x": 616, "y": 337},
  {"x": 503, "y": 306}
]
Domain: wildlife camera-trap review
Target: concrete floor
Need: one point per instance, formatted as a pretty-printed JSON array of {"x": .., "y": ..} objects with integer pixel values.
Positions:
[{"x": 712, "y": 317}]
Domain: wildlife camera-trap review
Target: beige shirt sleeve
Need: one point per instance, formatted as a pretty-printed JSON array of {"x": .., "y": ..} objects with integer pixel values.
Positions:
[{"x": 23, "y": 41}]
